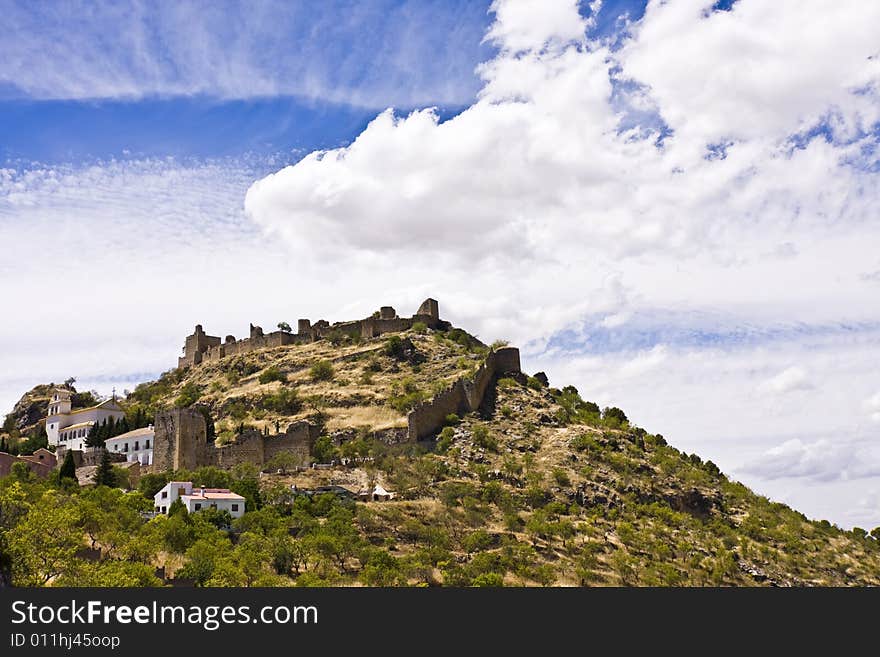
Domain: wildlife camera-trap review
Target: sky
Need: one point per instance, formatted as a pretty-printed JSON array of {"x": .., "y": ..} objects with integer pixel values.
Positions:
[{"x": 672, "y": 206}]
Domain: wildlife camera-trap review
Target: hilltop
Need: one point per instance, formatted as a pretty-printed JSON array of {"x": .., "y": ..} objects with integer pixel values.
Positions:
[{"x": 537, "y": 486}]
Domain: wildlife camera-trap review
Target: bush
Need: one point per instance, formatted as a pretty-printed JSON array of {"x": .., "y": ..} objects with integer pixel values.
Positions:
[
  {"x": 395, "y": 347},
  {"x": 272, "y": 373},
  {"x": 337, "y": 337},
  {"x": 561, "y": 477},
  {"x": 189, "y": 395},
  {"x": 285, "y": 401},
  {"x": 534, "y": 383},
  {"x": 484, "y": 439},
  {"x": 614, "y": 416},
  {"x": 324, "y": 450},
  {"x": 444, "y": 442},
  {"x": 452, "y": 420},
  {"x": 506, "y": 411},
  {"x": 505, "y": 383},
  {"x": 322, "y": 371},
  {"x": 420, "y": 327}
]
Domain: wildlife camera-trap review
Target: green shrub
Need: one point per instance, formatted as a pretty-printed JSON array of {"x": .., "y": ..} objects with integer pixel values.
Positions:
[
  {"x": 337, "y": 337},
  {"x": 561, "y": 477},
  {"x": 506, "y": 411},
  {"x": 285, "y": 401},
  {"x": 366, "y": 378},
  {"x": 189, "y": 394},
  {"x": 499, "y": 343},
  {"x": 484, "y": 439},
  {"x": 451, "y": 420},
  {"x": 322, "y": 371},
  {"x": 444, "y": 441},
  {"x": 534, "y": 383},
  {"x": 272, "y": 373},
  {"x": 395, "y": 347},
  {"x": 420, "y": 327},
  {"x": 506, "y": 383}
]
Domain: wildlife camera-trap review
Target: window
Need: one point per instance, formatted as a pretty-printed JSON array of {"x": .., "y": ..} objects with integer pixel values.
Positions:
[
  {"x": 198, "y": 507},
  {"x": 213, "y": 506},
  {"x": 147, "y": 444},
  {"x": 235, "y": 507},
  {"x": 125, "y": 447},
  {"x": 164, "y": 494},
  {"x": 137, "y": 445},
  {"x": 164, "y": 509}
]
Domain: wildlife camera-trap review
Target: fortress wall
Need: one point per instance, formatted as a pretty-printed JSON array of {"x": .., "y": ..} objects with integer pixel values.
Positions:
[
  {"x": 248, "y": 448},
  {"x": 426, "y": 418},
  {"x": 299, "y": 439},
  {"x": 464, "y": 395},
  {"x": 180, "y": 441}
]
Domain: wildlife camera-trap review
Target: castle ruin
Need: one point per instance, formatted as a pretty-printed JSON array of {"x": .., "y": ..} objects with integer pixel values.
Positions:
[
  {"x": 181, "y": 443},
  {"x": 200, "y": 347}
]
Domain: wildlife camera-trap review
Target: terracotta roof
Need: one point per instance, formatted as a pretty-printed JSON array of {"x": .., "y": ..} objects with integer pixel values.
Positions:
[{"x": 213, "y": 495}]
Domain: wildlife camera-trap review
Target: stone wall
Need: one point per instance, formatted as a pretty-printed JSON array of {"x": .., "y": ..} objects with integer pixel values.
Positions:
[
  {"x": 299, "y": 439},
  {"x": 180, "y": 442},
  {"x": 200, "y": 347},
  {"x": 463, "y": 396}
]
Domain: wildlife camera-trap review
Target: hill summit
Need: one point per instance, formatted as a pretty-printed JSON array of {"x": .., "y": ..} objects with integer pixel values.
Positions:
[{"x": 495, "y": 476}]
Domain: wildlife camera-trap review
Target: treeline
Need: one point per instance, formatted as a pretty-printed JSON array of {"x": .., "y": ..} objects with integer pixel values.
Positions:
[{"x": 110, "y": 428}]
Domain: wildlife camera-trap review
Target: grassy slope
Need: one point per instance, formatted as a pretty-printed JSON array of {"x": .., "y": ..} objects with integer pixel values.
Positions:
[{"x": 552, "y": 500}]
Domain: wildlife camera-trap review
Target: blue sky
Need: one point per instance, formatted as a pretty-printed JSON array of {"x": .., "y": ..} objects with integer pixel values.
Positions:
[{"x": 671, "y": 206}]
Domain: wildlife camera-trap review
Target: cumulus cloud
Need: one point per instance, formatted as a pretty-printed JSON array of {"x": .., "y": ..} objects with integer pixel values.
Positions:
[
  {"x": 872, "y": 404},
  {"x": 821, "y": 460},
  {"x": 706, "y": 164},
  {"x": 667, "y": 261},
  {"x": 789, "y": 380}
]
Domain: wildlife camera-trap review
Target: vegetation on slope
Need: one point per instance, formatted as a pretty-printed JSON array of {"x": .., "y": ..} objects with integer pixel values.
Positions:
[{"x": 539, "y": 488}]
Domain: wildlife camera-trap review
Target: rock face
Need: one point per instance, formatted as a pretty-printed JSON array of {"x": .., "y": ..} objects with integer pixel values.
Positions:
[{"x": 29, "y": 410}]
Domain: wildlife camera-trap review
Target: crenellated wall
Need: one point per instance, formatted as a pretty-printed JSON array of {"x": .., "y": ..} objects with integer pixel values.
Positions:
[
  {"x": 463, "y": 396},
  {"x": 200, "y": 347}
]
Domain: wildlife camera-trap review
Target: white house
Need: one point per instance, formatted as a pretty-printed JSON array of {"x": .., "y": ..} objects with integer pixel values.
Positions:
[
  {"x": 70, "y": 428},
  {"x": 198, "y": 498},
  {"x": 137, "y": 445}
]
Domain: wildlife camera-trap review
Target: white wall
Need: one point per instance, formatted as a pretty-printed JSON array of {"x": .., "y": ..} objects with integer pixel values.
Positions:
[
  {"x": 222, "y": 505},
  {"x": 171, "y": 490}
]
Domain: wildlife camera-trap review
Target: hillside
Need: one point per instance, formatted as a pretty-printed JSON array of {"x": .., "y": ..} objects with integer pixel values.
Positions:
[{"x": 539, "y": 487}]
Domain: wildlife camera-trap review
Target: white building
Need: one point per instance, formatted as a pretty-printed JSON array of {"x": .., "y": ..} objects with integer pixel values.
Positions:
[
  {"x": 68, "y": 427},
  {"x": 137, "y": 445},
  {"x": 197, "y": 499}
]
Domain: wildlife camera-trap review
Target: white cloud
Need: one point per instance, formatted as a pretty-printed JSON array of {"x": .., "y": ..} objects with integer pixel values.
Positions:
[
  {"x": 626, "y": 264},
  {"x": 872, "y": 404},
  {"x": 789, "y": 380},
  {"x": 366, "y": 54},
  {"x": 580, "y": 166},
  {"x": 821, "y": 460},
  {"x": 535, "y": 24},
  {"x": 761, "y": 71}
]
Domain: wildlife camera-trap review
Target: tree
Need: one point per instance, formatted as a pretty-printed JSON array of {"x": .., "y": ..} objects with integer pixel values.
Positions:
[
  {"x": 324, "y": 449},
  {"x": 283, "y": 461},
  {"x": 68, "y": 467},
  {"x": 68, "y": 383},
  {"x": 35, "y": 441},
  {"x": 43, "y": 543},
  {"x": 104, "y": 475},
  {"x": 284, "y": 326}
]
